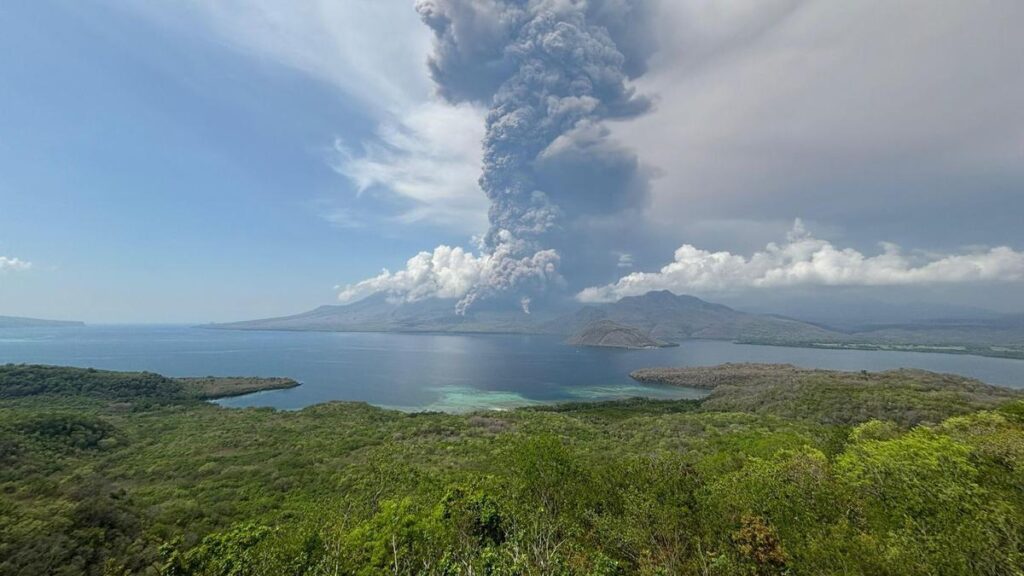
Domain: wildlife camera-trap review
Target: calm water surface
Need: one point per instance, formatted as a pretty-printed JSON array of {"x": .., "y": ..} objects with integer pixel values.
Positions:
[{"x": 433, "y": 372}]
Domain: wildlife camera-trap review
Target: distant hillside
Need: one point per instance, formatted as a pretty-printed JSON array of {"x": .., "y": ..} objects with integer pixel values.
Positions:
[
  {"x": 671, "y": 318},
  {"x": 856, "y": 314},
  {"x": 608, "y": 334},
  {"x": 666, "y": 316},
  {"x": 379, "y": 314},
  {"x": 19, "y": 322},
  {"x": 1002, "y": 336}
]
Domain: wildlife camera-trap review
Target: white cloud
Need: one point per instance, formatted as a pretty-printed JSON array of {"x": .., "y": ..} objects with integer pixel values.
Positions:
[
  {"x": 431, "y": 159},
  {"x": 341, "y": 218},
  {"x": 373, "y": 51},
  {"x": 426, "y": 153},
  {"x": 451, "y": 272},
  {"x": 807, "y": 261},
  {"x": 13, "y": 264},
  {"x": 446, "y": 272}
]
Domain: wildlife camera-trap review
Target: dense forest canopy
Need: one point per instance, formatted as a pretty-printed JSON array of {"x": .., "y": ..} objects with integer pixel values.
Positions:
[{"x": 108, "y": 474}]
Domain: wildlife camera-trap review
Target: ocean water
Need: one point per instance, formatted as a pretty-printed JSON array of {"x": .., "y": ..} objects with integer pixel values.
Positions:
[{"x": 434, "y": 371}]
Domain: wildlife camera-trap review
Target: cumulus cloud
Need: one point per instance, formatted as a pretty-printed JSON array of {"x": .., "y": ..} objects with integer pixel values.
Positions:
[
  {"x": 804, "y": 260},
  {"x": 13, "y": 264},
  {"x": 452, "y": 272}
]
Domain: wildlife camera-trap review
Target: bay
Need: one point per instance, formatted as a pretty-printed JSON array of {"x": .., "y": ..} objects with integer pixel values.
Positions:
[{"x": 446, "y": 372}]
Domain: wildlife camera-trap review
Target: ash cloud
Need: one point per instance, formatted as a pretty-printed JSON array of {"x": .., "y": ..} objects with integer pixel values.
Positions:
[{"x": 551, "y": 72}]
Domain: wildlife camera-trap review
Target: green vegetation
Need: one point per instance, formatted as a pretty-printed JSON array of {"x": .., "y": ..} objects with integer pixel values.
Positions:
[
  {"x": 907, "y": 397},
  {"x": 608, "y": 334},
  {"x": 112, "y": 474},
  {"x": 134, "y": 389},
  {"x": 210, "y": 387},
  {"x": 911, "y": 343}
]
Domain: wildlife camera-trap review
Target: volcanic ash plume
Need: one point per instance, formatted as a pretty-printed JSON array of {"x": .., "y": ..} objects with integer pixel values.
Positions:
[{"x": 550, "y": 72}]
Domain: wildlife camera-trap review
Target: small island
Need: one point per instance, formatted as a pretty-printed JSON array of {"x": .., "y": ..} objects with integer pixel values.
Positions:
[
  {"x": 608, "y": 334},
  {"x": 213, "y": 387}
]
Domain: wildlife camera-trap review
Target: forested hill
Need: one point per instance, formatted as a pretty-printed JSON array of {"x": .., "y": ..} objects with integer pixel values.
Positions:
[
  {"x": 772, "y": 474},
  {"x": 608, "y": 334}
]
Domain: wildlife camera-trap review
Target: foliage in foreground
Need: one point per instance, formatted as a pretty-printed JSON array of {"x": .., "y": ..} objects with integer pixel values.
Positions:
[{"x": 638, "y": 487}]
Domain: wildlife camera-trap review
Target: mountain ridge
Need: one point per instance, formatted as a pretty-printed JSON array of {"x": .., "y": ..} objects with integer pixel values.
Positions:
[{"x": 661, "y": 316}]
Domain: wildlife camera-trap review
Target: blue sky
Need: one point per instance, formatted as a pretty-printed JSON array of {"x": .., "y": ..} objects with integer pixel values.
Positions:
[
  {"x": 175, "y": 161},
  {"x": 150, "y": 173}
]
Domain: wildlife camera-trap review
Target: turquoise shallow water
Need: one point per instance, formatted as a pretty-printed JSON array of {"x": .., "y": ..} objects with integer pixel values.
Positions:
[{"x": 434, "y": 372}]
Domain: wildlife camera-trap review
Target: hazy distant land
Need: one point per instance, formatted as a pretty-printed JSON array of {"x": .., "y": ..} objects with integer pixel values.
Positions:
[
  {"x": 660, "y": 316},
  {"x": 19, "y": 322},
  {"x": 1000, "y": 337}
]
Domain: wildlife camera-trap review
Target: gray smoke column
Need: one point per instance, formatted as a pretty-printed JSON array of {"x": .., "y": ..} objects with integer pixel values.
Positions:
[{"x": 550, "y": 71}]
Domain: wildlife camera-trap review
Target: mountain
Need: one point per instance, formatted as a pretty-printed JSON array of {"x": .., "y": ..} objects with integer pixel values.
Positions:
[
  {"x": 608, "y": 334},
  {"x": 19, "y": 322},
  {"x": 657, "y": 317},
  {"x": 668, "y": 317},
  {"x": 379, "y": 313},
  {"x": 654, "y": 319}
]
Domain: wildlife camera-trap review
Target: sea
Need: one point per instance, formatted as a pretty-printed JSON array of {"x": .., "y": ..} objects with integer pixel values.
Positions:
[{"x": 435, "y": 372}]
